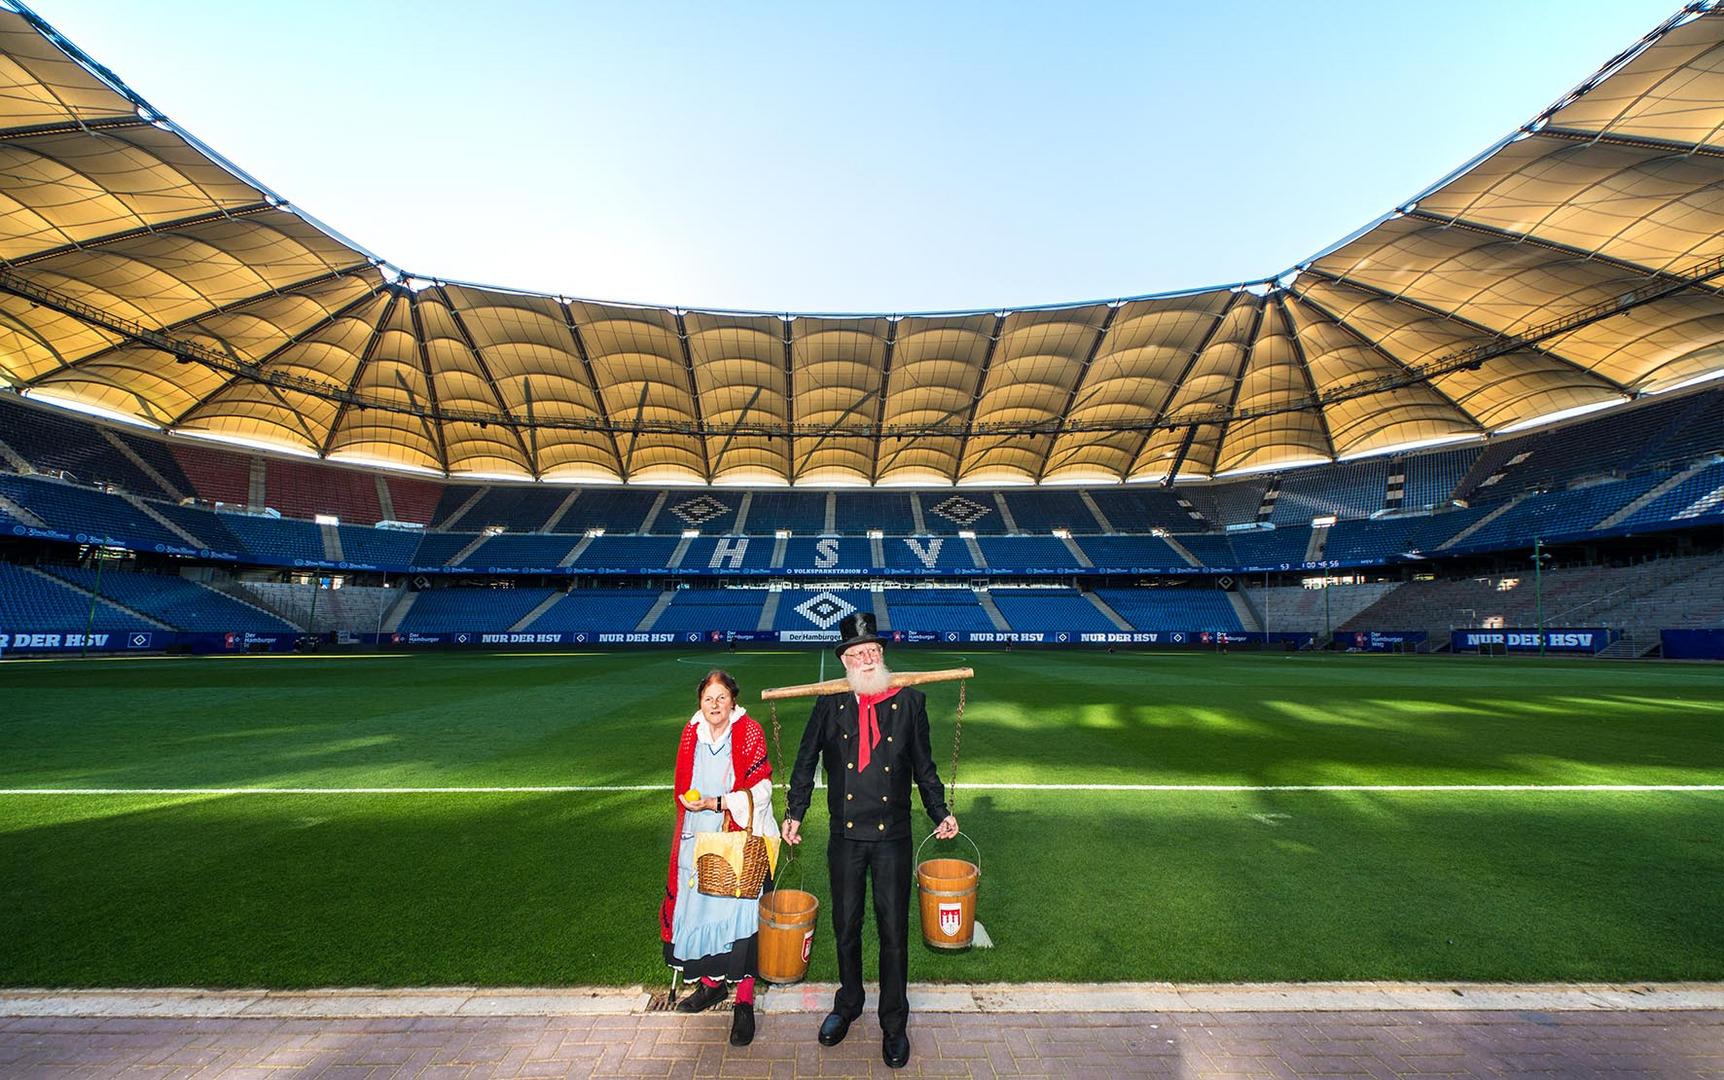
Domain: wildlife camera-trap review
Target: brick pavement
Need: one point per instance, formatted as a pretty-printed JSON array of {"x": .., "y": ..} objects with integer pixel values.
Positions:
[{"x": 1388, "y": 1044}]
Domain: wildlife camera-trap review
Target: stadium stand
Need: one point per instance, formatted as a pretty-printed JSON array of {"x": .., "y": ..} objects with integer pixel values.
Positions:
[
  {"x": 304, "y": 490},
  {"x": 818, "y": 609},
  {"x": 356, "y": 609},
  {"x": 612, "y": 509},
  {"x": 604, "y": 611},
  {"x": 856, "y": 512},
  {"x": 413, "y": 499},
  {"x": 477, "y": 609},
  {"x": 936, "y": 611},
  {"x": 277, "y": 538},
  {"x": 1556, "y": 514},
  {"x": 1032, "y": 610},
  {"x": 81, "y": 511},
  {"x": 1346, "y": 491},
  {"x": 436, "y": 549},
  {"x": 927, "y": 553},
  {"x": 218, "y": 475},
  {"x": 801, "y": 512},
  {"x": 453, "y": 500},
  {"x": 517, "y": 508},
  {"x": 1431, "y": 478},
  {"x": 1044, "y": 511},
  {"x": 950, "y": 512},
  {"x": 1182, "y": 608},
  {"x": 1140, "y": 509},
  {"x": 160, "y": 458},
  {"x": 1697, "y": 499},
  {"x": 1129, "y": 551},
  {"x": 628, "y": 552},
  {"x": 1293, "y": 608},
  {"x": 731, "y": 553},
  {"x": 711, "y": 609},
  {"x": 509, "y": 549},
  {"x": 182, "y": 604},
  {"x": 1041, "y": 552},
  {"x": 54, "y": 442},
  {"x": 35, "y": 603},
  {"x": 379, "y": 547},
  {"x": 708, "y": 511},
  {"x": 1269, "y": 547},
  {"x": 1670, "y": 592},
  {"x": 827, "y": 554}
]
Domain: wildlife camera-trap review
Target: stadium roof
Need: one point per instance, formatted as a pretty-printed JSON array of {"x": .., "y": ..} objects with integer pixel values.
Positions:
[{"x": 1574, "y": 265}]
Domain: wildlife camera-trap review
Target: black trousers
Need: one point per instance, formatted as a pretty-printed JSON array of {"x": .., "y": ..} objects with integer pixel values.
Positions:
[{"x": 852, "y": 864}]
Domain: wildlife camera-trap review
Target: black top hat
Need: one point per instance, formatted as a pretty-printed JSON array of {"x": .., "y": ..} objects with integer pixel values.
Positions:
[{"x": 857, "y": 628}]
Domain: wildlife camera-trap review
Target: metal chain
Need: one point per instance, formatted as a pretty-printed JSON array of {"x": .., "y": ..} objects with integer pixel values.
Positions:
[{"x": 957, "y": 737}]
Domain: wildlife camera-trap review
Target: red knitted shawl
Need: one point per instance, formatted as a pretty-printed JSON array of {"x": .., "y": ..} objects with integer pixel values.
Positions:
[{"x": 750, "y": 765}]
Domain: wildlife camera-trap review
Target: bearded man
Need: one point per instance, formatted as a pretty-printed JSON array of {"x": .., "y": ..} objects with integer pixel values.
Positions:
[{"x": 874, "y": 742}]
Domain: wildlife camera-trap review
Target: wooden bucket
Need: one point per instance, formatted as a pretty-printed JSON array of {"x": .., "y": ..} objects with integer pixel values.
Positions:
[
  {"x": 948, "y": 888},
  {"x": 787, "y": 918}
]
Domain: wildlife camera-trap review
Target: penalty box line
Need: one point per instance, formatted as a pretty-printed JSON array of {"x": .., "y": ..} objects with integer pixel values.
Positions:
[{"x": 577, "y": 789}]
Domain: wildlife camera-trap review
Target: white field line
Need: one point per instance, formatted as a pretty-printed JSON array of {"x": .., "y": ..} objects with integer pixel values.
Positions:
[{"x": 576, "y": 789}]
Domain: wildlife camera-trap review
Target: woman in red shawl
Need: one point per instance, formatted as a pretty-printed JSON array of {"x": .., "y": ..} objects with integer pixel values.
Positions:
[{"x": 715, "y": 939}]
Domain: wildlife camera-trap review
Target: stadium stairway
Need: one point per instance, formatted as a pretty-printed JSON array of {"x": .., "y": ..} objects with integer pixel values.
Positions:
[
  {"x": 90, "y": 596},
  {"x": 882, "y": 612},
  {"x": 1107, "y": 612},
  {"x": 392, "y": 620},
  {"x": 655, "y": 611},
  {"x": 1502, "y": 509},
  {"x": 460, "y": 556},
  {"x": 332, "y": 544},
  {"x": 1249, "y": 616},
  {"x": 1656, "y": 492},
  {"x": 1181, "y": 550},
  {"x": 449, "y": 522},
  {"x": 143, "y": 466},
  {"x": 993, "y": 610},
  {"x": 251, "y": 598},
  {"x": 154, "y": 515},
  {"x": 545, "y": 605},
  {"x": 18, "y": 513}
]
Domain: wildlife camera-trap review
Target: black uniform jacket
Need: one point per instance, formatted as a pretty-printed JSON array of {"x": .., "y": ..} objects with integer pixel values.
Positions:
[{"x": 873, "y": 804}]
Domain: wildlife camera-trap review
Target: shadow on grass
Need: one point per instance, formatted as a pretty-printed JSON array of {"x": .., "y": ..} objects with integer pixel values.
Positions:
[{"x": 299, "y": 891}]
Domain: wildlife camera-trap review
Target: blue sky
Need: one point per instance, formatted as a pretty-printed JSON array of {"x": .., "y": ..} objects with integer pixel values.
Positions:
[{"x": 850, "y": 157}]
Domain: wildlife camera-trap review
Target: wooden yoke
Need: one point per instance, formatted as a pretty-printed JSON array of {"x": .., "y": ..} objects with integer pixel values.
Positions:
[{"x": 838, "y": 686}]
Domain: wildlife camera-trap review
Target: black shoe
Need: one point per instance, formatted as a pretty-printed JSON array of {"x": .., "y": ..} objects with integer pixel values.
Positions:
[
  {"x": 896, "y": 1050},
  {"x": 741, "y": 1024},
  {"x": 834, "y": 1028},
  {"x": 703, "y": 998}
]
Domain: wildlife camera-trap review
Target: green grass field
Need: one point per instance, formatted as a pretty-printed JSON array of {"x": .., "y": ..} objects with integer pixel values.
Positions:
[{"x": 539, "y": 888}]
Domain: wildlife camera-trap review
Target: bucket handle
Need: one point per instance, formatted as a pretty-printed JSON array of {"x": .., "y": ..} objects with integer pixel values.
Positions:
[{"x": 967, "y": 840}]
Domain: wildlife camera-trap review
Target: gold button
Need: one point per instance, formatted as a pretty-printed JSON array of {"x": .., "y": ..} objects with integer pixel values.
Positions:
[
  {"x": 846, "y": 734},
  {"x": 894, "y": 705},
  {"x": 848, "y": 796},
  {"x": 882, "y": 798},
  {"x": 888, "y": 738},
  {"x": 888, "y": 768},
  {"x": 849, "y": 764},
  {"x": 849, "y": 824},
  {"x": 882, "y": 826}
]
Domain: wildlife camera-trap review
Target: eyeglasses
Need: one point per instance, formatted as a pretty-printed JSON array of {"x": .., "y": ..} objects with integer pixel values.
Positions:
[
  {"x": 866, "y": 652},
  {"x": 717, "y": 700}
]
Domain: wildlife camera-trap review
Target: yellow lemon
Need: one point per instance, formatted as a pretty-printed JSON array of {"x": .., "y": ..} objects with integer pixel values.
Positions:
[{"x": 692, "y": 795}]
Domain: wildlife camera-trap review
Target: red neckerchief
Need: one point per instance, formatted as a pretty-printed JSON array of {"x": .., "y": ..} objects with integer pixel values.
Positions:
[
  {"x": 750, "y": 765},
  {"x": 870, "y": 726}
]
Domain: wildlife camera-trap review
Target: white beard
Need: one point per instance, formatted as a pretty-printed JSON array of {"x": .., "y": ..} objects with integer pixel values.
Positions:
[{"x": 877, "y": 682}]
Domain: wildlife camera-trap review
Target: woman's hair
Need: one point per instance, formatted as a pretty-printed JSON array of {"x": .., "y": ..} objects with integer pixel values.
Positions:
[{"x": 721, "y": 676}]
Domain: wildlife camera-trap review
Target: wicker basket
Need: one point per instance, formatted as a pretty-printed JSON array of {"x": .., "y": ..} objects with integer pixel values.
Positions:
[{"x": 715, "y": 872}]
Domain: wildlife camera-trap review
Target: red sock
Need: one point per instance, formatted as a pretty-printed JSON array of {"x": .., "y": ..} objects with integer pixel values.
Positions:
[
  {"x": 745, "y": 991},
  {"x": 704, "y": 981}
]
